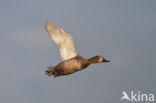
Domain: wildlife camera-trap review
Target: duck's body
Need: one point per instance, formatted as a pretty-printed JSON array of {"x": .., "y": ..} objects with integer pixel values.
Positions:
[
  {"x": 70, "y": 61},
  {"x": 68, "y": 67}
]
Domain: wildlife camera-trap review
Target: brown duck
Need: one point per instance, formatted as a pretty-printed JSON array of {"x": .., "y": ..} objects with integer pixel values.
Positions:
[{"x": 70, "y": 61}]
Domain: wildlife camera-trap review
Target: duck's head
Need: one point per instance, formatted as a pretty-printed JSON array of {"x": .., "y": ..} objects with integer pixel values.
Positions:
[
  {"x": 101, "y": 59},
  {"x": 98, "y": 59}
]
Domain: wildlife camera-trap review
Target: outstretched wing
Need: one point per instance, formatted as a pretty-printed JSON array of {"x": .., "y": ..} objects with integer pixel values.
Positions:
[{"x": 63, "y": 40}]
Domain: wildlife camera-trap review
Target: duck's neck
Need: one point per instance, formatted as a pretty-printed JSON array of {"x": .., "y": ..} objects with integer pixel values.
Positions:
[{"x": 92, "y": 60}]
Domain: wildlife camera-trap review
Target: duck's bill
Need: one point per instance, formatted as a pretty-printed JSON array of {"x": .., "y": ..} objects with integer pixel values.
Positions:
[{"x": 104, "y": 60}]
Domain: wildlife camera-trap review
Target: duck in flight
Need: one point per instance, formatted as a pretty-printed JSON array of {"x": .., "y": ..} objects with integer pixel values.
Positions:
[{"x": 71, "y": 62}]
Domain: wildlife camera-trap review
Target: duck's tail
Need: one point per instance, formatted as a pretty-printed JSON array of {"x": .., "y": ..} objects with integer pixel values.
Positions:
[{"x": 50, "y": 72}]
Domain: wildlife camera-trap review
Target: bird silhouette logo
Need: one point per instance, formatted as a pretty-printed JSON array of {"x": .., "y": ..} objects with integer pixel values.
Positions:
[{"x": 125, "y": 96}]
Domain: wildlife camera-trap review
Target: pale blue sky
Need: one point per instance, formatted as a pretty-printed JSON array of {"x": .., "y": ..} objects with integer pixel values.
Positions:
[{"x": 123, "y": 31}]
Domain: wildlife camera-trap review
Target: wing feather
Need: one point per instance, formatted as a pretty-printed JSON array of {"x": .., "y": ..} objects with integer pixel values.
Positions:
[{"x": 63, "y": 40}]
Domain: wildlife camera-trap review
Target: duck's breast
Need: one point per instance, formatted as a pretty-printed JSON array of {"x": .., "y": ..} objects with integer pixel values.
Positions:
[
  {"x": 69, "y": 66},
  {"x": 73, "y": 65}
]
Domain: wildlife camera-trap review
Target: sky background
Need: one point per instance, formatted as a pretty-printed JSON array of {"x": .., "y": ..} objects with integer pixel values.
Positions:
[{"x": 123, "y": 31}]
